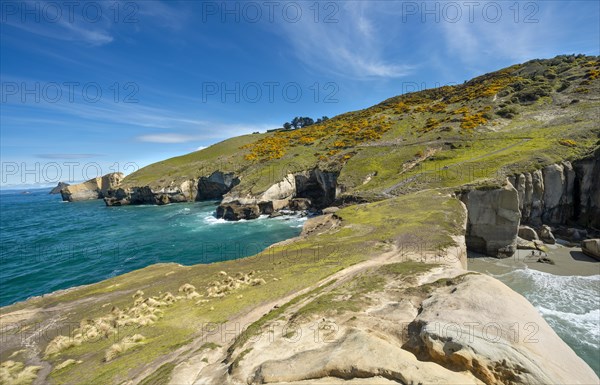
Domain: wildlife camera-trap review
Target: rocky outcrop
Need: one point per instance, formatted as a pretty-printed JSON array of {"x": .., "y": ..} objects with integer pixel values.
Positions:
[
  {"x": 320, "y": 224},
  {"x": 358, "y": 354},
  {"x": 506, "y": 343},
  {"x": 95, "y": 188},
  {"x": 234, "y": 211},
  {"x": 546, "y": 235},
  {"x": 309, "y": 190},
  {"x": 59, "y": 187},
  {"x": 204, "y": 188},
  {"x": 216, "y": 185},
  {"x": 317, "y": 185},
  {"x": 562, "y": 193},
  {"x": 557, "y": 194},
  {"x": 591, "y": 247},
  {"x": 493, "y": 221},
  {"x": 527, "y": 233}
]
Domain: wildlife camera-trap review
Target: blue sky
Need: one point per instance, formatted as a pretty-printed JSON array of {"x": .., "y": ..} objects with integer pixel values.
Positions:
[{"x": 176, "y": 76}]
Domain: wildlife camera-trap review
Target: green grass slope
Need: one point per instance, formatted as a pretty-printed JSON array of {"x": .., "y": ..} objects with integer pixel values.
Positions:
[{"x": 519, "y": 118}]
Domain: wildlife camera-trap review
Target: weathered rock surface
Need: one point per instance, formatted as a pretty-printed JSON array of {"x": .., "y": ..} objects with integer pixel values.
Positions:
[
  {"x": 320, "y": 224},
  {"x": 319, "y": 186},
  {"x": 146, "y": 195},
  {"x": 561, "y": 193},
  {"x": 284, "y": 190},
  {"x": 591, "y": 247},
  {"x": 234, "y": 211},
  {"x": 302, "y": 191},
  {"x": 59, "y": 187},
  {"x": 330, "y": 210},
  {"x": 216, "y": 185},
  {"x": 95, "y": 188},
  {"x": 300, "y": 204},
  {"x": 527, "y": 233},
  {"x": 504, "y": 343},
  {"x": 524, "y": 244},
  {"x": 493, "y": 221},
  {"x": 546, "y": 235},
  {"x": 358, "y": 354}
]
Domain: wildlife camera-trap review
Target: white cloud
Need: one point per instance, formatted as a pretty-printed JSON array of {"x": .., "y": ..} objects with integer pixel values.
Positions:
[
  {"x": 208, "y": 131},
  {"x": 478, "y": 41},
  {"x": 62, "y": 22},
  {"x": 68, "y": 156},
  {"x": 354, "y": 46},
  {"x": 168, "y": 138},
  {"x": 93, "y": 23}
]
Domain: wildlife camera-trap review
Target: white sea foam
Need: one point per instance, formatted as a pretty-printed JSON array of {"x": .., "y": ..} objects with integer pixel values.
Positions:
[{"x": 570, "y": 305}]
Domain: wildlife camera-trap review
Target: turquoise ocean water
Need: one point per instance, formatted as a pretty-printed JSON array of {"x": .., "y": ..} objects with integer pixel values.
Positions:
[{"x": 47, "y": 244}]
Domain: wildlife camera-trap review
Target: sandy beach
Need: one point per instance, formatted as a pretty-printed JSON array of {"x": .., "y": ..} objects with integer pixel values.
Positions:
[{"x": 567, "y": 261}]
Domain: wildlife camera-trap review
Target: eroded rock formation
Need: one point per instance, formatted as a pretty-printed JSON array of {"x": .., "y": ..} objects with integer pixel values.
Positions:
[
  {"x": 303, "y": 191},
  {"x": 203, "y": 188},
  {"x": 216, "y": 185},
  {"x": 59, "y": 187},
  {"x": 95, "y": 188},
  {"x": 562, "y": 193},
  {"x": 459, "y": 328},
  {"x": 493, "y": 221},
  {"x": 558, "y": 194}
]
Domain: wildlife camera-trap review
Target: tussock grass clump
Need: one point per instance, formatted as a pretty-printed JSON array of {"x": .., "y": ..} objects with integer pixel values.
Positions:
[
  {"x": 16, "y": 373},
  {"x": 189, "y": 291},
  {"x": 229, "y": 284},
  {"x": 59, "y": 344},
  {"x": 121, "y": 347},
  {"x": 66, "y": 363},
  {"x": 144, "y": 312}
]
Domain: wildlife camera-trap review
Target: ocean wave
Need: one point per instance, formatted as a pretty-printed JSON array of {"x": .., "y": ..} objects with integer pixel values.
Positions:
[
  {"x": 212, "y": 220},
  {"x": 585, "y": 327},
  {"x": 570, "y": 304},
  {"x": 578, "y": 294}
]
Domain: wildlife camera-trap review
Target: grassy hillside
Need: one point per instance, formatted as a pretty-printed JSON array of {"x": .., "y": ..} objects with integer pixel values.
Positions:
[{"x": 521, "y": 117}]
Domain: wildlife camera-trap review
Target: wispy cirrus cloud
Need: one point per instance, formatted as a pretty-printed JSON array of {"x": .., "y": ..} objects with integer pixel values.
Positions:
[
  {"x": 351, "y": 44},
  {"x": 67, "y": 156},
  {"x": 60, "y": 21},
  {"x": 512, "y": 36},
  {"x": 169, "y": 137},
  {"x": 95, "y": 23},
  {"x": 208, "y": 131}
]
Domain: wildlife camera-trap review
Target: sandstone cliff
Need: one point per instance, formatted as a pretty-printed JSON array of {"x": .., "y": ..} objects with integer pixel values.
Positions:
[
  {"x": 95, "y": 188},
  {"x": 314, "y": 189},
  {"x": 493, "y": 221},
  {"x": 557, "y": 194},
  {"x": 213, "y": 186},
  {"x": 561, "y": 193}
]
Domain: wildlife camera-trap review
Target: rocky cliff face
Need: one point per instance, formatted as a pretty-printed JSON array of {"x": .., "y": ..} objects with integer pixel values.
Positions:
[
  {"x": 314, "y": 189},
  {"x": 203, "y": 188},
  {"x": 562, "y": 193},
  {"x": 95, "y": 188},
  {"x": 558, "y": 194},
  {"x": 58, "y": 188},
  {"x": 493, "y": 221}
]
